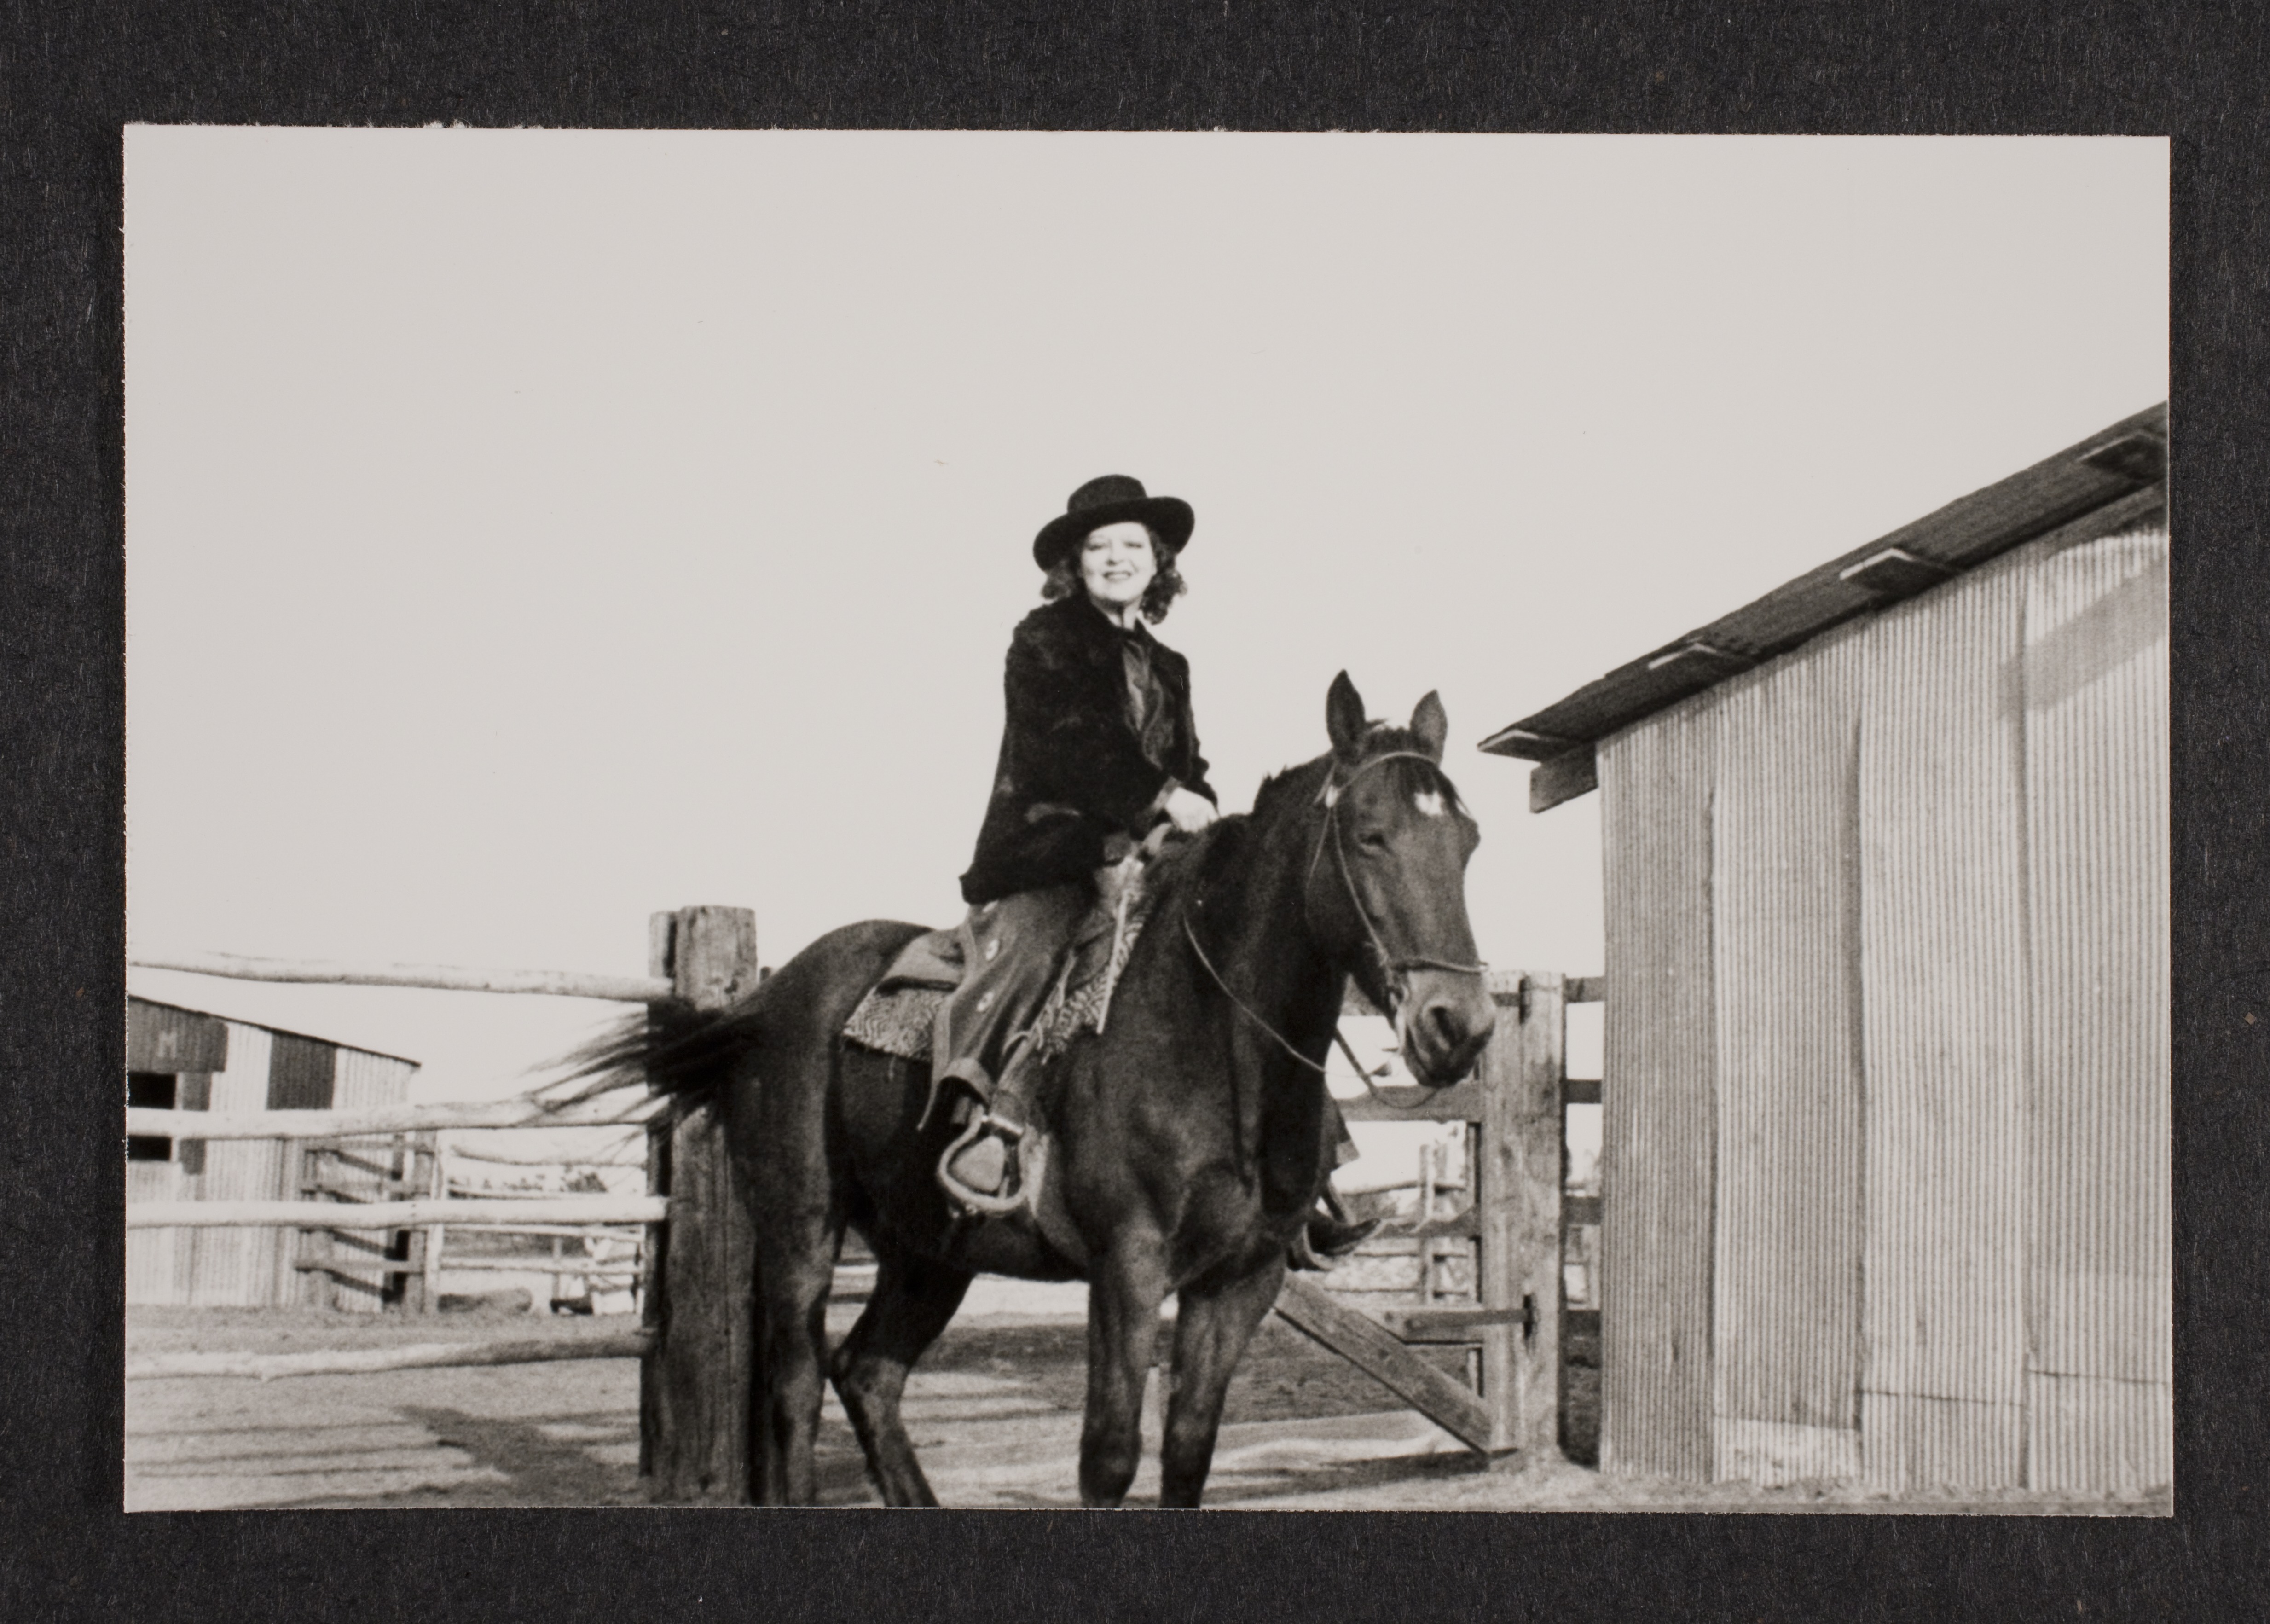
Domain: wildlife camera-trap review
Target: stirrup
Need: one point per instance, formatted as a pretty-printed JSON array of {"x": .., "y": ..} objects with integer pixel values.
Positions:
[{"x": 978, "y": 1200}]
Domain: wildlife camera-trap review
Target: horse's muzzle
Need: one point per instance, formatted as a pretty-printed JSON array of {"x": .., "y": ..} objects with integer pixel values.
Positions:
[{"x": 1447, "y": 1018}]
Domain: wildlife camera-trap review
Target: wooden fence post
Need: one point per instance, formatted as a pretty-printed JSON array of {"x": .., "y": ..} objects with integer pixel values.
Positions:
[
  {"x": 1535, "y": 1143},
  {"x": 1494, "y": 1172},
  {"x": 652, "y": 1262},
  {"x": 694, "y": 1389},
  {"x": 1517, "y": 1194},
  {"x": 314, "y": 1246},
  {"x": 437, "y": 1187}
]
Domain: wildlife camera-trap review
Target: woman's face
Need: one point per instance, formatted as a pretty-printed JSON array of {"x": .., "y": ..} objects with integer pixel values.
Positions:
[{"x": 1116, "y": 564}]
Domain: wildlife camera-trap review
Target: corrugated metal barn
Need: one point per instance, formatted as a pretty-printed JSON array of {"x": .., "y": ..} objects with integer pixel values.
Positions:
[
  {"x": 1886, "y": 1108},
  {"x": 181, "y": 1059}
]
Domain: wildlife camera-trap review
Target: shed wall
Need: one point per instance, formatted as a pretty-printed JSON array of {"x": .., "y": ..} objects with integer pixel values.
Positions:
[
  {"x": 1785, "y": 900},
  {"x": 236, "y": 1267},
  {"x": 2099, "y": 1241},
  {"x": 152, "y": 1254},
  {"x": 1943, "y": 962},
  {"x": 248, "y": 1267},
  {"x": 364, "y": 1081},
  {"x": 360, "y": 1171},
  {"x": 1657, "y": 1122},
  {"x": 162, "y": 1038},
  {"x": 1887, "y": 1114}
]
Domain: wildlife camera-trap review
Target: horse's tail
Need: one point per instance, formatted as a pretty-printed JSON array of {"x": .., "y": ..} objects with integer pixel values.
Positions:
[
  {"x": 672, "y": 1047},
  {"x": 787, "y": 1021}
]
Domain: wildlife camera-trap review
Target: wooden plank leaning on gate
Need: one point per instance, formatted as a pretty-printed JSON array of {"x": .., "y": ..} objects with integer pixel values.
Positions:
[
  {"x": 1514, "y": 1099},
  {"x": 1372, "y": 1348}
]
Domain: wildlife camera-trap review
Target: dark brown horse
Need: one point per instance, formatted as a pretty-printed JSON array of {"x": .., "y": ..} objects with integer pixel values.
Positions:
[{"x": 1190, "y": 1137}]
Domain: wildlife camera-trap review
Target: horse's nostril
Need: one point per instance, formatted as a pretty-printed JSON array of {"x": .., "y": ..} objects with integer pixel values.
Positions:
[{"x": 1444, "y": 1025}]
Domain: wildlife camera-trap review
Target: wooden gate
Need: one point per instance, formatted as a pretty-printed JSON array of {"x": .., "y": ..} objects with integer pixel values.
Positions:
[{"x": 1510, "y": 1230}]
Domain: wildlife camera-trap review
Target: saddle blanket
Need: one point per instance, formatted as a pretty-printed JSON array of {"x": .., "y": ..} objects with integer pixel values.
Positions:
[
  {"x": 900, "y": 1015},
  {"x": 897, "y": 1020}
]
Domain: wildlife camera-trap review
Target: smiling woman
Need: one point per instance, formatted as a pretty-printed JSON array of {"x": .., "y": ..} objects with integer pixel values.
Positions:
[{"x": 1099, "y": 746}]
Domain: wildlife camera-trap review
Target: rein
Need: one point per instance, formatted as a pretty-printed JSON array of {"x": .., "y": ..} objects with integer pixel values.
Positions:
[
  {"x": 1243, "y": 1009},
  {"x": 1391, "y": 969}
]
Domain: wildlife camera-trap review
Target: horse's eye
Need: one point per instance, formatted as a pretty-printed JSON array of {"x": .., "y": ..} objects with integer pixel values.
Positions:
[{"x": 1372, "y": 841}]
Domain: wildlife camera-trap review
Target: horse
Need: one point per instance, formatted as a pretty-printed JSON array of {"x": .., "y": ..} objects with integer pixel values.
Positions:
[{"x": 1190, "y": 1136}]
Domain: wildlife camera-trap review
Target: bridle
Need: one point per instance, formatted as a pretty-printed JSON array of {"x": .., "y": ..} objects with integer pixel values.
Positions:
[{"x": 1390, "y": 967}]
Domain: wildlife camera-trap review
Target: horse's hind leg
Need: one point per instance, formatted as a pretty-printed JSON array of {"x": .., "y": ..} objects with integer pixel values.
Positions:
[
  {"x": 796, "y": 1266},
  {"x": 912, "y": 1302},
  {"x": 1211, "y": 1327}
]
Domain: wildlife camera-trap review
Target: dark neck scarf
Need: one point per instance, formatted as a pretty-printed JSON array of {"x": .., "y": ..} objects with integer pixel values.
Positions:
[{"x": 1149, "y": 715}]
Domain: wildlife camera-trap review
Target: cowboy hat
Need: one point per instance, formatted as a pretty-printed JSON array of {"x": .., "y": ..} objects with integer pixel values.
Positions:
[{"x": 1108, "y": 500}]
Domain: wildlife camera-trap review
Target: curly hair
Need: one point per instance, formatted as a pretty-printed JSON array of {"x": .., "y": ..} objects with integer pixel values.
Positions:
[{"x": 1063, "y": 580}]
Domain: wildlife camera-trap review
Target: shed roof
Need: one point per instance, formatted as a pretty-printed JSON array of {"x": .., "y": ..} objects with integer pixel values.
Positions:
[
  {"x": 379, "y": 1053},
  {"x": 2121, "y": 461}
]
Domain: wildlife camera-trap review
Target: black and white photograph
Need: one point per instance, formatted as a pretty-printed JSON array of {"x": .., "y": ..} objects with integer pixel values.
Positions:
[{"x": 1005, "y": 821}]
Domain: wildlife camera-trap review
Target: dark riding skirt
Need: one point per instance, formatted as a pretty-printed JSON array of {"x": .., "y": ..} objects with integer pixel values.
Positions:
[{"x": 1009, "y": 950}]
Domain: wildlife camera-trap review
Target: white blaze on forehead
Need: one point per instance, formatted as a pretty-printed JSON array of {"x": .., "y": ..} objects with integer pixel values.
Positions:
[{"x": 1428, "y": 802}]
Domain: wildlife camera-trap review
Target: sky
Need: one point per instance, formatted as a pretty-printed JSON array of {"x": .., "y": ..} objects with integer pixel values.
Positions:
[{"x": 529, "y": 531}]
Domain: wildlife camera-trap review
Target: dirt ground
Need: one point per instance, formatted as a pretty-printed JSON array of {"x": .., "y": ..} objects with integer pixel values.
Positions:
[{"x": 995, "y": 1410}]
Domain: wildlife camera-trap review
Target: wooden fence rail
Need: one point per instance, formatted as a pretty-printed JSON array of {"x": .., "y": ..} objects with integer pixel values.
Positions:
[
  {"x": 447, "y": 977},
  {"x": 558, "y": 1268},
  {"x": 393, "y": 1214},
  {"x": 621, "y": 1108},
  {"x": 548, "y": 1159},
  {"x": 568, "y": 1232},
  {"x": 413, "y": 1356}
]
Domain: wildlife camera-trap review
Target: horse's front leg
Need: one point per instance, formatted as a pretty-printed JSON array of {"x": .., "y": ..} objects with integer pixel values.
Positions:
[
  {"x": 1123, "y": 1295},
  {"x": 1212, "y": 1327}
]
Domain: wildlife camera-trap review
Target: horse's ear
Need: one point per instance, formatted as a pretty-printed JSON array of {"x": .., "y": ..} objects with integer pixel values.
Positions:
[
  {"x": 1344, "y": 716},
  {"x": 1430, "y": 726}
]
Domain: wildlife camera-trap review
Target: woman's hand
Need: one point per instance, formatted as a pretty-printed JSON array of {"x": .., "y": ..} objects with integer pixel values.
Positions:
[{"x": 1189, "y": 811}]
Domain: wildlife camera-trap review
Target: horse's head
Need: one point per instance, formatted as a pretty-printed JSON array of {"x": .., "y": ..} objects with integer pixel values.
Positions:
[{"x": 1387, "y": 886}]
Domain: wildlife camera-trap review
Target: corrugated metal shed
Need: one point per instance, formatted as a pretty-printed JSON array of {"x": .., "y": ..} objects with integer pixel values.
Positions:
[
  {"x": 1943, "y": 952},
  {"x": 1658, "y": 1120},
  {"x": 1785, "y": 911},
  {"x": 2098, "y": 1291},
  {"x": 1885, "y": 1122}
]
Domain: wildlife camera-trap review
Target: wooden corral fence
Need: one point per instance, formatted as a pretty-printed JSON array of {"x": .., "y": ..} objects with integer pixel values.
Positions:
[
  {"x": 352, "y": 1187},
  {"x": 377, "y": 1206},
  {"x": 694, "y": 1340},
  {"x": 698, "y": 1316},
  {"x": 1513, "y": 1110}
]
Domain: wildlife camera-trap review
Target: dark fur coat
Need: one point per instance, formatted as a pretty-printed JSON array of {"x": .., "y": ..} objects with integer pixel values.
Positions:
[{"x": 1073, "y": 772}]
